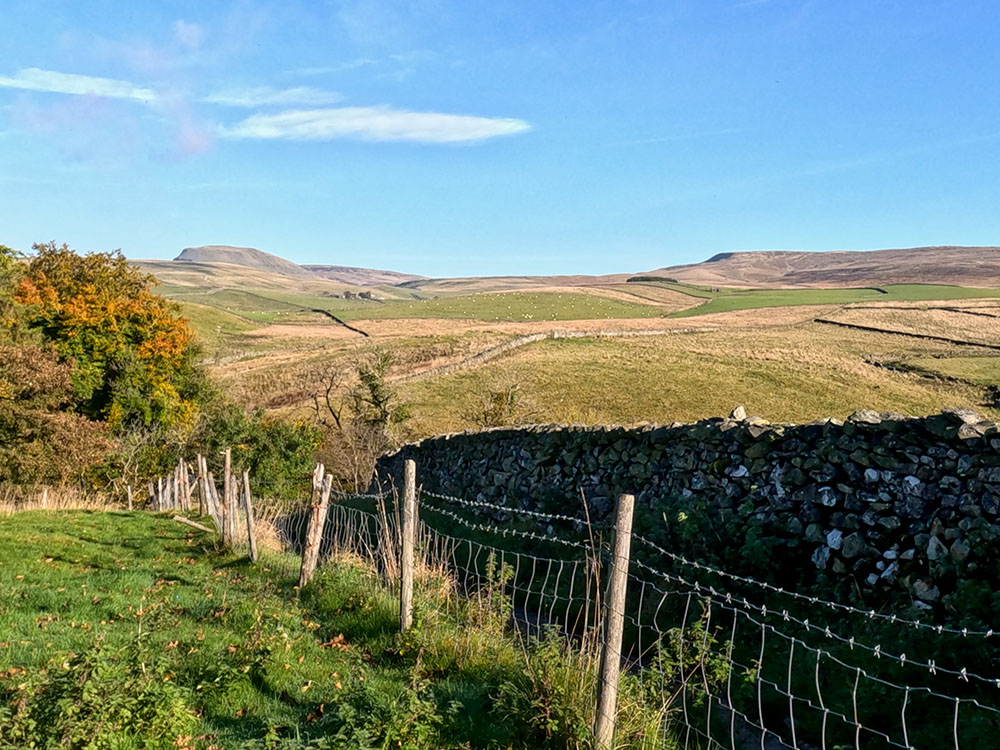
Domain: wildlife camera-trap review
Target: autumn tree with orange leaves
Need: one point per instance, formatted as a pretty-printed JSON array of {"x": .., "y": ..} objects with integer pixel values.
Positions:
[{"x": 133, "y": 356}]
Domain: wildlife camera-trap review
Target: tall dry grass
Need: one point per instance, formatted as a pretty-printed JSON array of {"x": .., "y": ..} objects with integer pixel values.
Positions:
[{"x": 14, "y": 499}]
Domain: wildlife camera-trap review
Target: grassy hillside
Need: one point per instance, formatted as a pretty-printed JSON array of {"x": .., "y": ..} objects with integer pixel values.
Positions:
[
  {"x": 977, "y": 369},
  {"x": 788, "y": 374},
  {"x": 212, "y": 325},
  {"x": 270, "y": 306},
  {"x": 132, "y": 631},
  {"x": 733, "y": 299},
  {"x": 782, "y": 268},
  {"x": 513, "y": 306}
]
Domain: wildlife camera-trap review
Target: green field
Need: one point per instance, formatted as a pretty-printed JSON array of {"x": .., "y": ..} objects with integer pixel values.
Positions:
[
  {"x": 731, "y": 299},
  {"x": 510, "y": 306},
  {"x": 271, "y": 306},
  {"x": 982, "y": 370},
  {"x": 131, "y": 631},
  {"x": 212, "y": 325}
]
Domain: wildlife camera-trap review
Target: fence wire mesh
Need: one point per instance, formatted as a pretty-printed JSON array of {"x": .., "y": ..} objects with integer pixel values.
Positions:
[{"x": 722, "y": 660}]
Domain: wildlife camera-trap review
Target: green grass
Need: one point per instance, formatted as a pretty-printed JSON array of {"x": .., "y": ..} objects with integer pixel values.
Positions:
[
  {"x": 506, "y": 306},
  {"x": 982, "y": 370},
  {"x": 510, "y": 306},
  {"x": 731, "y": 299},
  {"x": 317, "y": 301},
  {"x": 212, "y": 325},
  {"x": 132, "y": 631},
  {"x": 274, "y": 306},
  {"x": 67, "y": 579}
]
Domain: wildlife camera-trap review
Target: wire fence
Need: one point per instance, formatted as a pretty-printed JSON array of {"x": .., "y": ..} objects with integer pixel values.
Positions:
[{"x": 723, "y": 659}]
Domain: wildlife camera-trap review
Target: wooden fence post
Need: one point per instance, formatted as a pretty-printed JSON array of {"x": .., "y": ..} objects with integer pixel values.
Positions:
[
  {"x": 409, "y": 517},
  {"x": 186, "y": 485},
  {"x": 159, "y": 493},
  {"x": 207, "y": 504},
  {"x": 129, "y": 489},
  {"x": 614, "y": 624},
  {"x": 227, "y": 489},
  {"x": 322, "y": 485},
  {"x": 200, "y": 480},
  {"x": 214, "y": 507},
  {"x": 248, "y": 508}
]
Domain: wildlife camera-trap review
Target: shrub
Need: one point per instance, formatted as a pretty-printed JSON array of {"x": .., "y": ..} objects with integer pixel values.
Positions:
[
  {"x": 40, "y": 440},
  {"x": 132, "y": 354},
  {"x": 278, "y": 453},
  {"x": 553, "y": 701},
  {"x": 101, "y": 700}
]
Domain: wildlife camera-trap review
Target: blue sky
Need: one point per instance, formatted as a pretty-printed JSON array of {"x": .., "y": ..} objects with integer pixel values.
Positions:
[{"x": 454, "y": 137}]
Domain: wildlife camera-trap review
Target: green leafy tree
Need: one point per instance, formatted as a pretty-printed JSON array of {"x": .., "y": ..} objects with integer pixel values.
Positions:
[
  {"x": 376, "y": 403},
  {"x": 11, "y": 272},
  {"x": 133, "y": 355},
  {"x": 279, "y": 453}
]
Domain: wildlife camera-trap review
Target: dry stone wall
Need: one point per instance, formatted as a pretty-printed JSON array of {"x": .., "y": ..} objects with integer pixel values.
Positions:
[{"x": 886, "y": 501}]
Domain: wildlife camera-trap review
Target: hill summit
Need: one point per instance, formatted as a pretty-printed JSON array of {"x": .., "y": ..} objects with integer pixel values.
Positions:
[
  {"x": 249, "y": 257},
  {"x": 963, "y": 266}
]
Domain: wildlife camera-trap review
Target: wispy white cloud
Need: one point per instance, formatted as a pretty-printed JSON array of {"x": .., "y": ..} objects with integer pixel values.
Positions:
[
  {"x": 360, "y": 62},
  {"x": 261, "y": 96},
  {"x": 372, "y": 124},
  {"x": 36, "y": 79}
]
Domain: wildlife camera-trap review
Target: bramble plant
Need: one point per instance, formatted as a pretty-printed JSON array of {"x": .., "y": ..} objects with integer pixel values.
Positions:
[{"x": 101, "y": 700}]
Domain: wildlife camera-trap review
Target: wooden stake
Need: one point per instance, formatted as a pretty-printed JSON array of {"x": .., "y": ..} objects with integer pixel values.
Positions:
[
  {"x": 227, "y": 490},
  {"x": 317, "y": 522},
  {"x": 248, "y": 509},
  {"x": 185, "y": 491},
  {"x": 614, "y": 625},
  {"x": 206, "y": 494},
  {"x": 406, "y": 548},
  {"x": 129, "y": 489},
  {"x": 214, "y": 508},
  {"x": 201, "y": 486}
]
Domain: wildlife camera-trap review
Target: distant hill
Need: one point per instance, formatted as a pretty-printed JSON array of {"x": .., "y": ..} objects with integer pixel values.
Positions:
[
  {"x": 361, "y": 276},
  {"x": 250, "y": 257},
  {"x": 963, "y": 266}
]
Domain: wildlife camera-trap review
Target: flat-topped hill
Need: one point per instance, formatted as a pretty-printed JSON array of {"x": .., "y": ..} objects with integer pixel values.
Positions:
[
  {"x": 964, "y": 266},
  {"x": 250, "y": 257}
]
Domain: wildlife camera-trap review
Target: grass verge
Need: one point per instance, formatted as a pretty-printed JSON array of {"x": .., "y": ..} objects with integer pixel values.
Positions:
[{"x": 132, "y": 631}]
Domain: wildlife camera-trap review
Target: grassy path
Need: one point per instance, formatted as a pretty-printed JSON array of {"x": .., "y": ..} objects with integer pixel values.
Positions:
[{"x": 132, "y": 631}]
